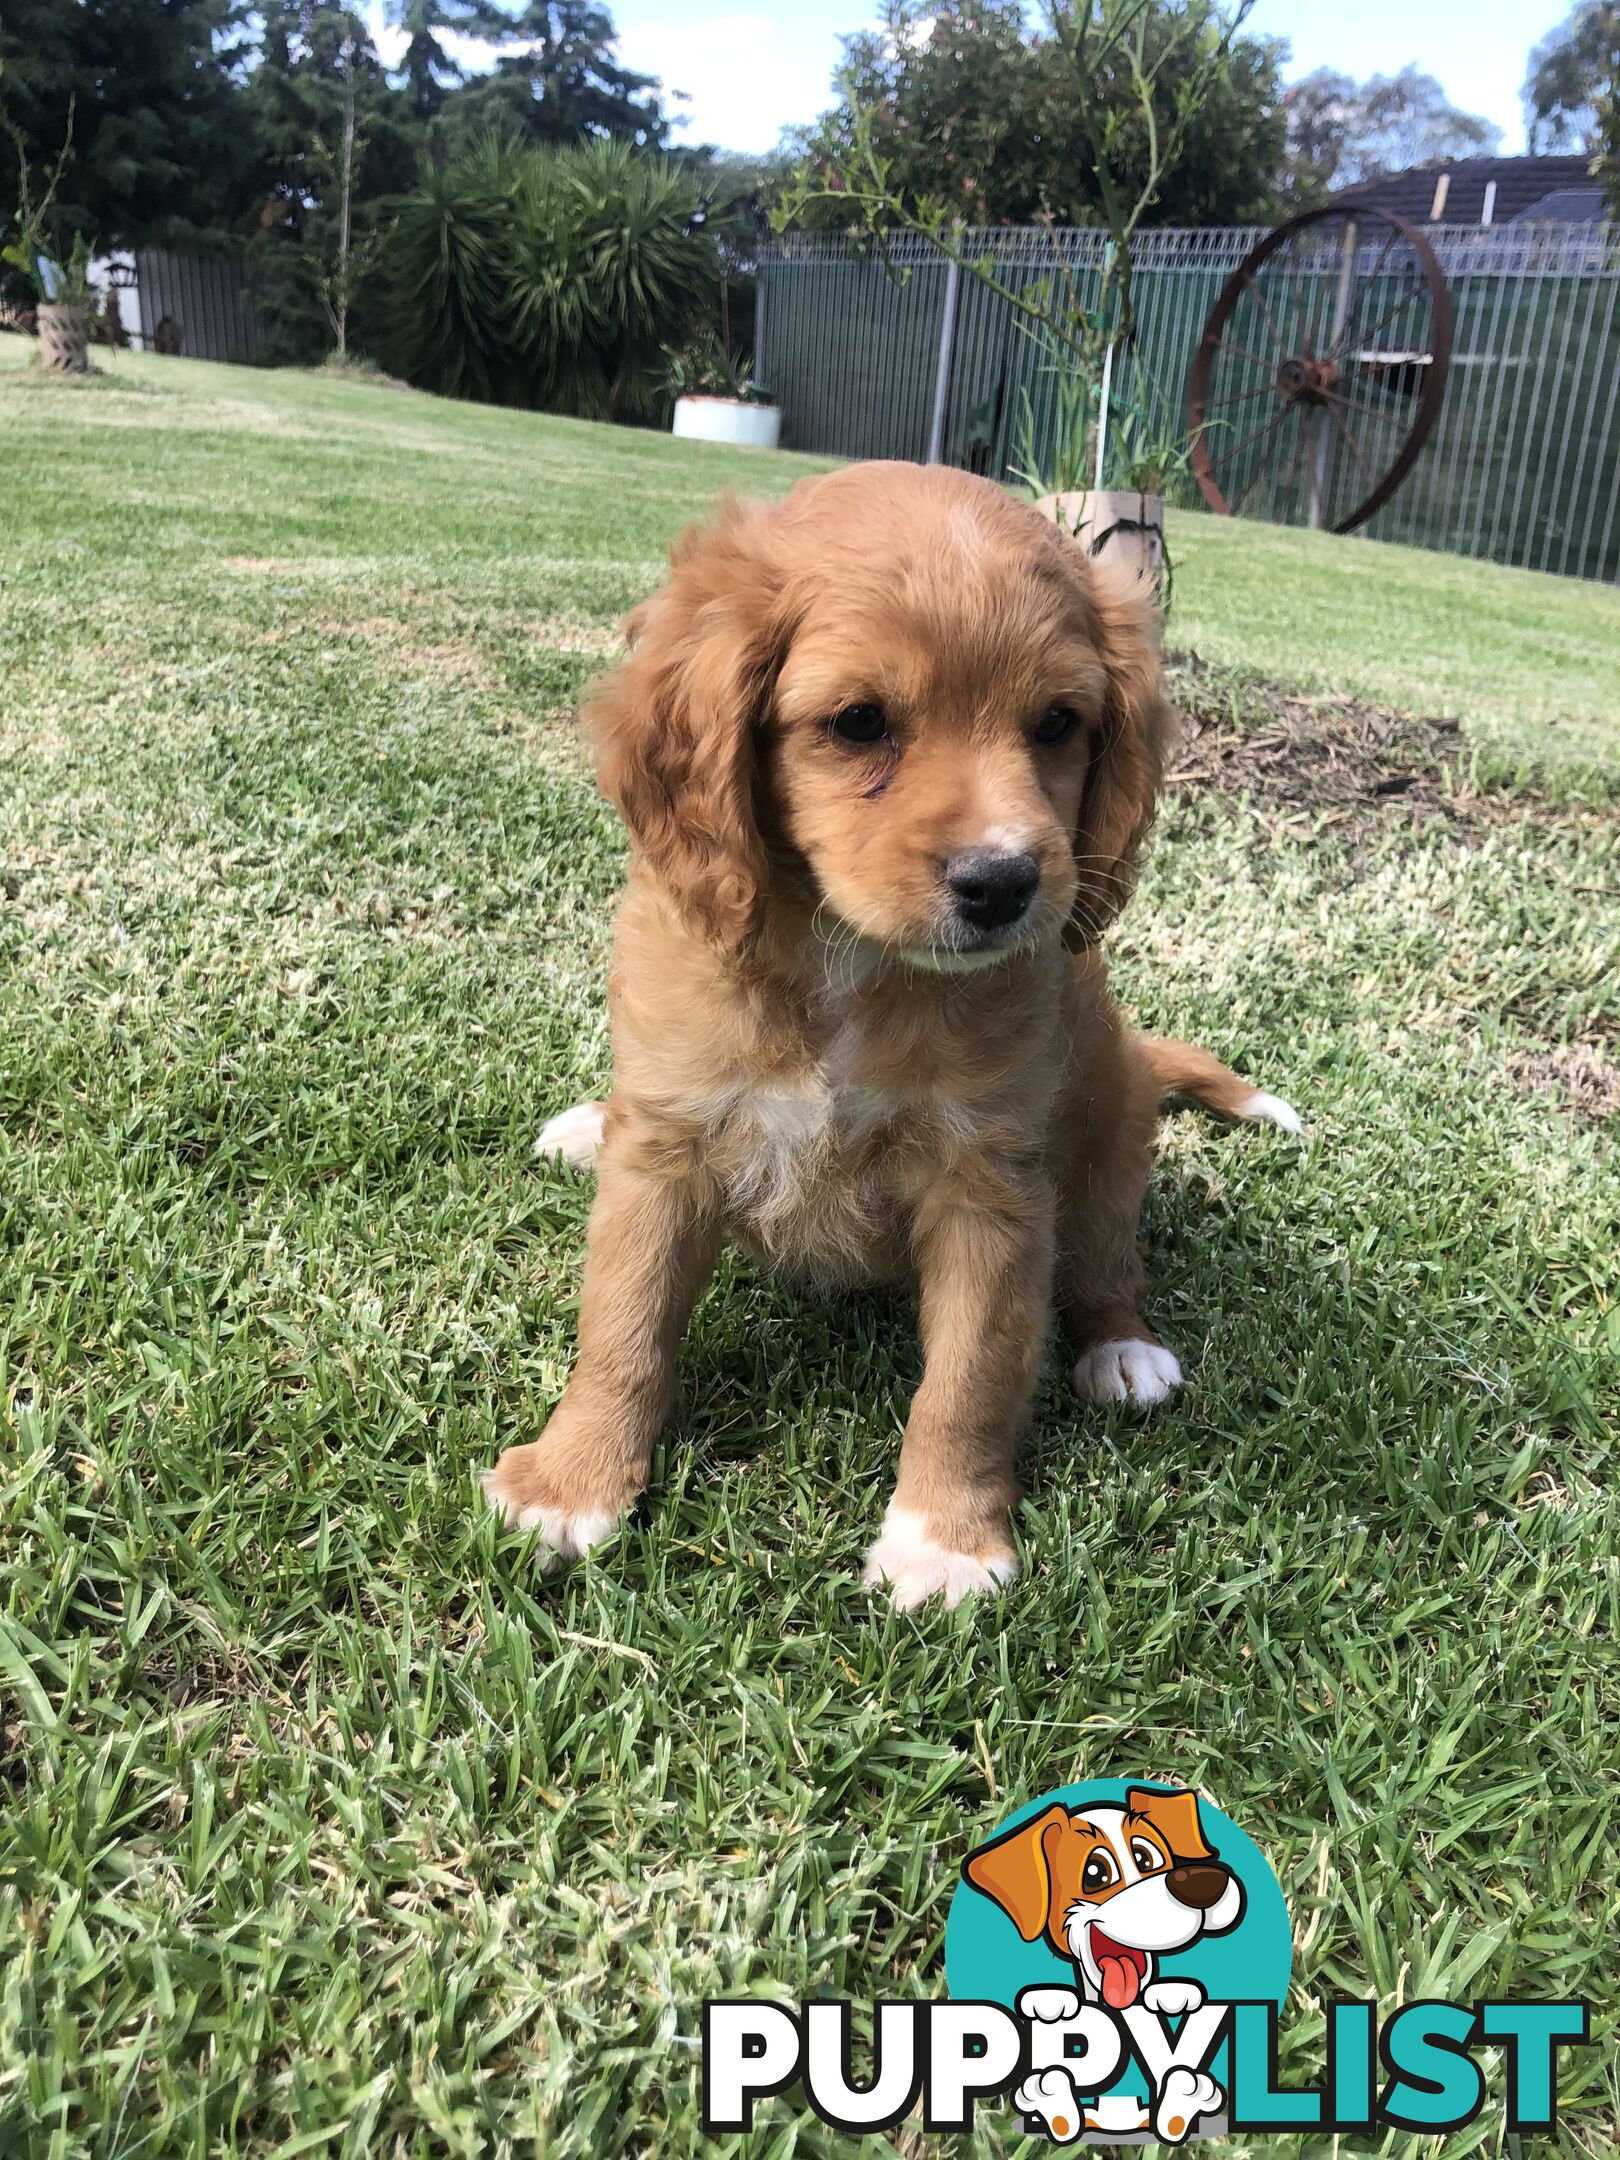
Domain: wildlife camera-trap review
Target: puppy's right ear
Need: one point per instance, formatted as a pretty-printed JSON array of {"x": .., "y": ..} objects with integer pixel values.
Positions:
[
  {"x": 1016, "y": 1869},
  {"x": 674, "y": 726}
]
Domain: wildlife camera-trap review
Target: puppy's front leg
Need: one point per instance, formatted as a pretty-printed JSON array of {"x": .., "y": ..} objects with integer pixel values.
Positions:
[
  {"x": 651, "y": 1248},
  {"x": 986, "y": 1269}
]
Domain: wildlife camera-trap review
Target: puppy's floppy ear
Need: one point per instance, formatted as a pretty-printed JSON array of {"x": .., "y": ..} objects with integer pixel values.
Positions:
[
  {"x": 1175, "y": 1816},
  {"x": 1128, "y": 760},
  {"x": 1016, "y": 1870},
  {"x": 673, "y": 726}
]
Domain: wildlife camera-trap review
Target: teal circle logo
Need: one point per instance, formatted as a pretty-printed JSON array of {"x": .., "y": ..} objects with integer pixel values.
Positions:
[{"x": 1126, "y": 1896}]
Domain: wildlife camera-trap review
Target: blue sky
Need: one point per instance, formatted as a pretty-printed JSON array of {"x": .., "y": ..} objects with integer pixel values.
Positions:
[{"x": 753, "y": 67}]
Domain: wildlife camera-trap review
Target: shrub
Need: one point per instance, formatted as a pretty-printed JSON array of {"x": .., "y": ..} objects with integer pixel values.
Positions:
[{"x": 548, "y": 277}]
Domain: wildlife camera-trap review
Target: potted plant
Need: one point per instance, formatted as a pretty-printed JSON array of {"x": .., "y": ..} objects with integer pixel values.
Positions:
[
  {"x": 61, "y": 284},
  {"x": 717, "y": 400},
  {"x": 1104, "y": 470},
  {"x": 64, "y": 312}
]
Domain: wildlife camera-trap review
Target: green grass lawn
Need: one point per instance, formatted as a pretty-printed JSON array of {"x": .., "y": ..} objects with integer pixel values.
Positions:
[{"x": 328, "y": 1825}]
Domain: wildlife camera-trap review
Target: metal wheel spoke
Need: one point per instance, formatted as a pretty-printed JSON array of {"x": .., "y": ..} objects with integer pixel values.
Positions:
[
  {"x": 1354, "y": 308},
  {"x": 1418, "y": 292},
  {"x": 1259, "y": 467},
  {"x": 1294, "y": 287},
  {"x": 1244, "y": 353},
  {"x": 1367, "y": 472},
  {"x": 1360, "y": 405},
  {"x": 1265, "y": 428},
  {"x": 1271, "y": 320},
  {"x": 1242, "y": 397},
  {"x": 1307, "y": 444},
  {"x": 1316, "y": 313}
]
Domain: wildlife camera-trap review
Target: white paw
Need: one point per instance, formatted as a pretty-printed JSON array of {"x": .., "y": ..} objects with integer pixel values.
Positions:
[
  {"x": 562, "y": 1536},
  {"x": 1142, "y": 1372},
  {"x": 1173, "y": 1998},
  {"x": 1184, "y": 2096},
  {"x": 915, "y": 1568},
  {"x": 1049, "y": 2096},
  {"x": 1264, "y": 1109},
  {"x": 1117, "y": 2114},
  {"x": 1048, "y": 2005},
  {"x": 575, "y": 1135}
]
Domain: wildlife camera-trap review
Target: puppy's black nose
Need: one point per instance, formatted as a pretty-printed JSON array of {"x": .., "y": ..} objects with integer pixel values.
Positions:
[
  {"x": 1197, "y": 1885},
  {"x": 992, "y": 887}
]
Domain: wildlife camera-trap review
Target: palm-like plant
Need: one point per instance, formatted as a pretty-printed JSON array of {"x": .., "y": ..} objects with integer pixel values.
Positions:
[
  {"x": 451, "y": 315},
  {"x": 551, "y": 278}
]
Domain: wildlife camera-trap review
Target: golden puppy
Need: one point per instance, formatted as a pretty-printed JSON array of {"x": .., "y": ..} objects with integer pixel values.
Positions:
[{"x": 886, "y": 751}]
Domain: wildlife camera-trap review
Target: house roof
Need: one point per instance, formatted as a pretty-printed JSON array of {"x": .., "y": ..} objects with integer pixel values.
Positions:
[
  {"x": 1565, "y": 206},
  {"x": 1523, "y": 185}
]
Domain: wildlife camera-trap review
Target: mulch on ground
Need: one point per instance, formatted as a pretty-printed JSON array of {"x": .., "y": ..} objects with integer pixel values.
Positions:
[{"x": 1311, "y": 762}]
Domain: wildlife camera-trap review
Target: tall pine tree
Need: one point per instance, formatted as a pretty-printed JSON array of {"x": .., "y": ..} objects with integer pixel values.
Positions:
[
  {"x": 564, "y": 83},
  {"x": 429, "y": 69}
]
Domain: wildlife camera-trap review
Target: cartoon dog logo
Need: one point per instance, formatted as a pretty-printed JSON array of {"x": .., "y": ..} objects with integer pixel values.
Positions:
[{"x": 1113, "y": 1887}]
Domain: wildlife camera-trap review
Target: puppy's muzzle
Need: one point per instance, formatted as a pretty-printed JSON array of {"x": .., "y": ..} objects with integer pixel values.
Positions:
[
  {"x": 1197, "y": 1885},
  {"x": 991, "y": 888}
]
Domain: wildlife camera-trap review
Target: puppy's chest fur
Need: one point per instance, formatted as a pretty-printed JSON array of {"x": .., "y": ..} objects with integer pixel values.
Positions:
[{"x": 821, "y": 1165}]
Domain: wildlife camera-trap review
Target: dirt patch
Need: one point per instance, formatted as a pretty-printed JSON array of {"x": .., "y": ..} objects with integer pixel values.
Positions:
[
  {"x": 1581, "y": 1076},
  {"x": 1311, "y": 762}
]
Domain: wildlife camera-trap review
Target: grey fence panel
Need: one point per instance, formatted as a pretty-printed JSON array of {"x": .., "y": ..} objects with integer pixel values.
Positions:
[
  {"x": 1523, "y": 466},
  {"x": 208, "y": 296}
]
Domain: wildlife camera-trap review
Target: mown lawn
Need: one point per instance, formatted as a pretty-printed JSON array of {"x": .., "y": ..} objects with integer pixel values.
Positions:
[{"x": 328, "y": 1825}]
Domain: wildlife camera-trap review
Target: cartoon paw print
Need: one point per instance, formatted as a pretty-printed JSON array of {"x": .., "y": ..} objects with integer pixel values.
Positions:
[
  {"x": 1184, "y": 2097},
  {"x": 1048, "y": 2097}
]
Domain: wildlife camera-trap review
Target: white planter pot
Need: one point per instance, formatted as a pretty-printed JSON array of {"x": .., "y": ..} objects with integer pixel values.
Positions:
[
  {"x": 1116, "y": 525},
  {"x": 728, "y": 420}
]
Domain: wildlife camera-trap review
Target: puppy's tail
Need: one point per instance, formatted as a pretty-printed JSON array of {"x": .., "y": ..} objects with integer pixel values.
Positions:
[{"x": 1183, "y": 1069}]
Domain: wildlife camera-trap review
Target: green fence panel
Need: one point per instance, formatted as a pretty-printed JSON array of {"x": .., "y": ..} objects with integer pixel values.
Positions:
[{"x": 886, "y": 354}]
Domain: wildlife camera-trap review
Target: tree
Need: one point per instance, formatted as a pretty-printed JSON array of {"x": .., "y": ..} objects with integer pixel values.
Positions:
[
  {"x": 1341, "y": 131},
  {"x": 429, "y": 70},
  {"x": 1573, "y": 72},
  {"x": 1139, "y": 77},
  {"x": 333, "y": 144},
  {"x": 1606, "y": 162},
  {"x": 976, "y": 117},
  {"x": 562, "y": 84},
  {"x": 157, "y": 87}
]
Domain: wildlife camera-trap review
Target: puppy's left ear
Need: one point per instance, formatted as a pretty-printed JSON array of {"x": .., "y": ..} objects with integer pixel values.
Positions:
[
  {"x": 674, "y": 726},
  {"x": 1128, "y": 759}
]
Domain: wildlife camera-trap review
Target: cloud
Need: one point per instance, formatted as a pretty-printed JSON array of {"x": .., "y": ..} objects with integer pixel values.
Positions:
[{"x": 746, "y": 77}]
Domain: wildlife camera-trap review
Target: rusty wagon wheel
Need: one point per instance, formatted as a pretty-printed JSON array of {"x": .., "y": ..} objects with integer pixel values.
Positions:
[{"x": 1321, "y": 369}]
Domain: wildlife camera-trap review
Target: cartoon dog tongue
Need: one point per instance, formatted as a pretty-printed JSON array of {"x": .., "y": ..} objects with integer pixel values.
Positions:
[{"x": 1119, "y": 1970}]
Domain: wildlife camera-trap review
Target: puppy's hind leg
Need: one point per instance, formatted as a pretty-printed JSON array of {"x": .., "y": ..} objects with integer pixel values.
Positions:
[
  {"x": 1102, "y": 1282},
  {"x": 574, "y": 1136}
]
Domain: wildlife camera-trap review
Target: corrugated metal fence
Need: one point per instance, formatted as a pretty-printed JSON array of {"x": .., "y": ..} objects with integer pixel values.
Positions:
[
  {"x": 917, "y": 360},
  {"x": 207, "y": 297}
]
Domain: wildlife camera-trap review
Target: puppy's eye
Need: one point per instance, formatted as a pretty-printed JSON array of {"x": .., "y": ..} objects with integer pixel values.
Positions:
[
  {"x": 1147, "y": 1857},
  {"x": 1056, "y": 724},
  {"x": 1098, "y": 1872},
  {"x": 859, "y": 724}
]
